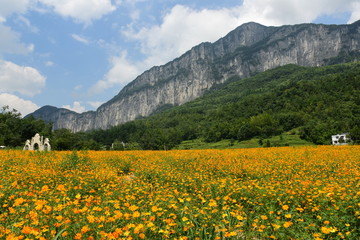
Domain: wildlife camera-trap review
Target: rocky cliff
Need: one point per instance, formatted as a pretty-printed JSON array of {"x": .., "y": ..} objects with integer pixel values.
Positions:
[{"x": 247, "y": 50}]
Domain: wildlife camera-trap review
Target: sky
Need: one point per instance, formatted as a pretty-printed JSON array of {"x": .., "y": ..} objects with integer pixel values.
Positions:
[{"x": 78, "y": 54}]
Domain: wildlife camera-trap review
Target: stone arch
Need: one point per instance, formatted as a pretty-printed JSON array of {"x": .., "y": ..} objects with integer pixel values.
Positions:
[
  {"x": 47, "y": 146},
  {"x": 37, "y": 143},
  {"x": 36, "y": 146},
  {"x": 27, "y": 145}
]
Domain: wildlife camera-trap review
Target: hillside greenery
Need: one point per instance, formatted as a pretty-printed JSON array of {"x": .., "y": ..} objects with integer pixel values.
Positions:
[
  {"x": 289, "y": 105},
  {"x": 313, "y": 103}
]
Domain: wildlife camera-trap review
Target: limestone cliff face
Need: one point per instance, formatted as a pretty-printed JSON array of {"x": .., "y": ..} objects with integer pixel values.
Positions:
[{"x": 247, "y": 50}]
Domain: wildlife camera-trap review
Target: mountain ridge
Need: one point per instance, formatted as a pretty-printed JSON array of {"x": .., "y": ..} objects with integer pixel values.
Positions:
[{"x": 245, "y": 51}]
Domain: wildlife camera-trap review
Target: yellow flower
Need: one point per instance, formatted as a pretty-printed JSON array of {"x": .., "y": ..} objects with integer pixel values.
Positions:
[
  {"x": 39, "y": 204},
  {"x": 90, "y": 218},
  {"x": 45, "y": 188},
  {"x": 85, "y": 229},
  {"x": 61, "y": 187},
  {"x": 276, "y": 226},
  {"x": 212, "y": 203},
  {"x": 18, "y": 202},
  {"x": 138, "y": 228},
  {"x": 300, "y": 209},
  {"x": 133, "y": 207},
  {"x": 287, "y": 224},
  {"x": 325, "y": 230},
  {"x": 136, "y": 214},
  {"x": 230, "y": 234},
  {"x": 285, "y": 207}
]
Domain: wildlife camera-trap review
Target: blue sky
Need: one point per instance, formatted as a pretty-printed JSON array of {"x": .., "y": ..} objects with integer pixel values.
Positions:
[{"x": 78, "y": 54}]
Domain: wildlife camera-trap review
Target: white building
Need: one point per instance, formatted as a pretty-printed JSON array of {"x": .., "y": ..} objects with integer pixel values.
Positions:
[
  {"x": 340, "y": 139},
  {"x": 38, "y": 143}
]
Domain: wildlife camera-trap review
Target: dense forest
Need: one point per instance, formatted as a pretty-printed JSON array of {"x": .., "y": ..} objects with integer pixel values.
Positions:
[{"x": 313, "y": 102}]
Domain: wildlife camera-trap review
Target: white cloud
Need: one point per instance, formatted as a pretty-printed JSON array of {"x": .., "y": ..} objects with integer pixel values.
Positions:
[
  {"x": 10, "y": 42},
  {"x": 279, "y": 12},
  {"x": 28, "y": 24},
  {"x": 9, "y": 7},
  {"x": 84, "y": 11},
  {"x": 95, "y": 104},
  {"x": 49, "y": 63},
  {"x": 76, "y": 107},
  {"x": 80, "y": 38},
  {"x": 80, "y": 108},
  {"x": 23, "y": 106},
  {"x": 355, "y": 14},
  {"x": 122, "y": 72},
  {"x": 24, "y": 80},
  {"x": 78, "y": 87}
]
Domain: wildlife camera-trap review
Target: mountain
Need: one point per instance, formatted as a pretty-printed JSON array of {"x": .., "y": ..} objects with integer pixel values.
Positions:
[
  {"x": 249, "y": 49},
  {"x": 313, "y": 103}
]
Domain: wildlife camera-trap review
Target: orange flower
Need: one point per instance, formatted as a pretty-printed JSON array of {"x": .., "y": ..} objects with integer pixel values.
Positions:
[
  {"x": 61, "y": 187},
  {"x": 285, "y": 207},
  {"x": 136, "y": 214},
  {"x": 85, "y": 229},
  {"x": 26, "y": 230},
  {"x": 287, "y": 224},
  {"x": 78, "y": 236},
  {"x": 18, "y": 202},
  {"x": 133, "y": 207}
]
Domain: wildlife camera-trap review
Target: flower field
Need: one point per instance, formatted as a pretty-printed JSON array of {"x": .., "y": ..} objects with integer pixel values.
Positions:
[{"x": 267, "y": 193}]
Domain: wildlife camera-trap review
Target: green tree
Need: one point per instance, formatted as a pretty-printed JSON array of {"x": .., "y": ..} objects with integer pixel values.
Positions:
[
  {"x": 64, "y": 139},
  {"x": 265, "y": 125},
  {"x": 10, "y": 125},
  {"x": 355, "y": 134}
]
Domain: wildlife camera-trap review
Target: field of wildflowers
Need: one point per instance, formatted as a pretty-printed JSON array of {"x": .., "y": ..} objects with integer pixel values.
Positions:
[{"x": 267, "y": 193}]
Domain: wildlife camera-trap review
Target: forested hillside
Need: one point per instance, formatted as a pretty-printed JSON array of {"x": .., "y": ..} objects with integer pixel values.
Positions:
[{"x": 317, "y": 101}]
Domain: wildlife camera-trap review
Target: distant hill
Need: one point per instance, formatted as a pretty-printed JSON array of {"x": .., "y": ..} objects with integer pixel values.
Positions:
[{"x": 249, "y": 49}]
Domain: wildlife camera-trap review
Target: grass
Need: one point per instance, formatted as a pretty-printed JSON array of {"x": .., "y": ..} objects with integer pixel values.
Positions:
[{"x": 285, "y": 139}]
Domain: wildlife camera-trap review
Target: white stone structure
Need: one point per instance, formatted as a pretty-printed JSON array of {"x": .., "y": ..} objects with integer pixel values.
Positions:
[
  {"x": 340, "y": 139},
  {"x": 38, "y": 143}
]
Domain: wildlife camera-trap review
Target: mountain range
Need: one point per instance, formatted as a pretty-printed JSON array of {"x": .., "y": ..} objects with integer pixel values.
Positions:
[{"x": 249, "y": 49}]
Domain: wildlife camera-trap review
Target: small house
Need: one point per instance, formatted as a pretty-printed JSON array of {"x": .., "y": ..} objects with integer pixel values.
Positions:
[{"x": 340, "y": 139}]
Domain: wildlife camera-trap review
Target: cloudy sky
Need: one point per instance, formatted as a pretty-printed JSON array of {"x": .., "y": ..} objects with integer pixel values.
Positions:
[{"x": 78, "y": 54}]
